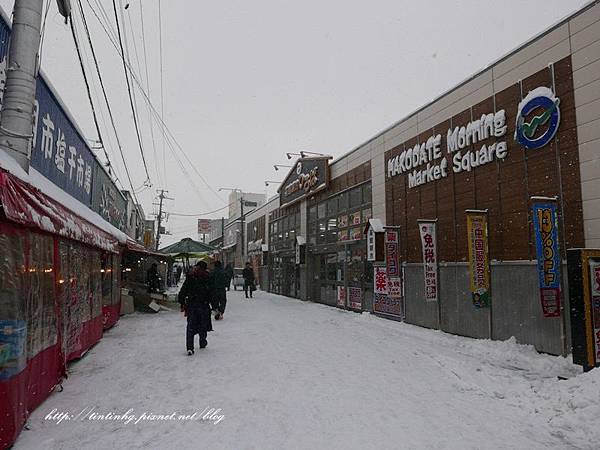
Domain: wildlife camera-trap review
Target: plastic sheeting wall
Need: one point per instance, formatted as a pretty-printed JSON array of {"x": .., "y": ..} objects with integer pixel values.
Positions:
[{"x": 50, "y": 313}]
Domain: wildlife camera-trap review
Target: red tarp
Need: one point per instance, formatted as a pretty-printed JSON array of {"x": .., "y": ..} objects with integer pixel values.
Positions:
[
  {"x": 110, "y": 315},
  {"x": 28, "y": 206}
]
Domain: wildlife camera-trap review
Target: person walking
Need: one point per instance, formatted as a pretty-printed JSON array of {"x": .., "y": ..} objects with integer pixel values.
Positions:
[
  {"x": 249, "y": 283},
  {"x": 196, "y": 299},
  {"x": 219, "y": 280},
  {"x": 153, "y": 278},
  {"x": 228, "y": 275}
]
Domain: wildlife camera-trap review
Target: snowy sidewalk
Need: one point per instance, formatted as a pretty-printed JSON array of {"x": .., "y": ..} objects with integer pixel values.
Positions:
[{"x": 291, "y": 374}]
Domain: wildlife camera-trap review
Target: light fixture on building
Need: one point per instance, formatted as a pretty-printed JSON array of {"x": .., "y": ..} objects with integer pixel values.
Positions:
[
  {"x": 277, "y": 166},
  {"x": 271, "y": 181}
]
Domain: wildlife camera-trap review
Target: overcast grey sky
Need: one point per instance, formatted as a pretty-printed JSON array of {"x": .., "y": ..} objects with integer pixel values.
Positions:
[{"x": 246, "y": 82}]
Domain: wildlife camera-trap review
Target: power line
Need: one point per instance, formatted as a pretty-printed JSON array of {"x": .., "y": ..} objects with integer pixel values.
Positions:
[
  {"x": 164, "y": 181},
  {"x": 154, "y": 111},
  {"x": 199, "y": 214},
  {"x": 162, "y": 94},
  {"x": 89, "y": 93},
  {"x": 135, "y": 122},
  {"x": 112, "y": 120}
]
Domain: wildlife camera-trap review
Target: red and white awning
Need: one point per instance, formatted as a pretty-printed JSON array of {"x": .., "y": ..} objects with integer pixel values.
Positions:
[{"x": 28, "y": 206}]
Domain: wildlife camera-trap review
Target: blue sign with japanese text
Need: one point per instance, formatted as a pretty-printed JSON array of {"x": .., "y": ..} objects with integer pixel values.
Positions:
[
  {"x": 61, "y": 154},
  {"x": 545, "y": 226}
]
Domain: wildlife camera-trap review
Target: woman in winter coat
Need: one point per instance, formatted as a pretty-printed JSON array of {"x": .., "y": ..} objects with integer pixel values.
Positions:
[{"x": 196, "y": 299}]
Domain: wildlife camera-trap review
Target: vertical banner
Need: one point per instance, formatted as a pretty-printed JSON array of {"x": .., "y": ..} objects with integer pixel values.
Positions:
[
  {"x": 595, "y": 295},
  {"x": 429, "y": 245},
  {"x": 545, "y": 227},
  {"x": 383, "y": 302},
  {"x": 479, "y": 265},
  {"x": 341, "y": 296},
  {"x": 355, "y": 298},
  {"x": 392, "y": 259}
]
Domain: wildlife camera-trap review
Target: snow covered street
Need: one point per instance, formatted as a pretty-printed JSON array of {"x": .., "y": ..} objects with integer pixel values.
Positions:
[{"x": 290, "y": 374}]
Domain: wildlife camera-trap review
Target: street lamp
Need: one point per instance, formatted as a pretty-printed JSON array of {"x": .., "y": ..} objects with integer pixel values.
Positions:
[{"x": 303, "y": 153}]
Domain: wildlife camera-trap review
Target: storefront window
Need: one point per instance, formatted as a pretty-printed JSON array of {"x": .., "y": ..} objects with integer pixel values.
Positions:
[
  {"x": 332, "y": 230},
  {"x": 322, "y": 232},
  {"x": 342, "y": 202},
  {"x": 366, "y": 214},
  {"x": 366, "y": 193},
  {"x": 312, "y": 214},
  {"x": 321, "y": 210},
  {"x": 355, "y": 197},
  {"x": 332, "y": 207}
]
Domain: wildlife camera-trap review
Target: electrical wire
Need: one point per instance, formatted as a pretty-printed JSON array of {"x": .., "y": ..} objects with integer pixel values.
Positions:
[
  {"x": 163, "y": 182},
  {"x": 89, "y": 93},
  {"x": 42, "y": 35},
  {"x": 110, "y": 114},
  {"x": 137, "y": 128},
  {"x": 153, "y": 109},
  {"x": 162, "y": 92},
  {"x": 199, "y": 214}
]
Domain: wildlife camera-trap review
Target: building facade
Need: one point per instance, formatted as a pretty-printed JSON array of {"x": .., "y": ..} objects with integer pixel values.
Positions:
[{"x": 479, "y": 187}]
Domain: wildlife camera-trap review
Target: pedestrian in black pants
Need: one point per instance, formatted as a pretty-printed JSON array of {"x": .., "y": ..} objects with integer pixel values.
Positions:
[
  {"x": 249, "y": 283},
  {"x": 228, "y": 275},
  {"x": 196, "y": 297},
  {"x": 219, "y": 279}
]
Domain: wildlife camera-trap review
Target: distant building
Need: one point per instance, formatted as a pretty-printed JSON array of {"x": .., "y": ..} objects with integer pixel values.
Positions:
[
  {"x": 134, "y": 218},
  {"x": 233, "y": 234}
]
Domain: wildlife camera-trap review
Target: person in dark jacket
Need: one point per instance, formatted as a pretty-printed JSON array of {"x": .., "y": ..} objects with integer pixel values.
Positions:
[
  {"x": 153, "y": 279},
  {"x": 228, "y": 275},
  {"x": 248, "y": 274},
  {"x": 219, "y": 279},
  {"x": 196, "y": 298}
]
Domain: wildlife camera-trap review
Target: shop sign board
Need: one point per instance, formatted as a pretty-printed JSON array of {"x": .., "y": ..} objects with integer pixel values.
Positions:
[
  {"x": 584, "y": 305},
  {"x": 427, "y": 231},
  {"x": 479, "y": 269},
  {"x": 481, "y": 141},
  {"x": 383, "y": 302},
  {"x": 307, "y": 176},
  {"x": 545, "y": 227},
  {"x": 341, "y": 296},
  {"x": 60, "y": 152},
  {"x": 392, "y": 256},
  {"x": 595, "y": 297},
  {"x": 355, "y": 298},
  {"x": 375, "y": 240},
  {"x": 538, "y": 118},
  {"x": 204, "y": 226}
]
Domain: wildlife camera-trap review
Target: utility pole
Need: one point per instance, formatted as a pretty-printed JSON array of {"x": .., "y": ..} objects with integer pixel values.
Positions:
[
  {"x": 161, "y": 196},
  {"x": 242, "y": 224},
  {"x": 16, "y": 117}
]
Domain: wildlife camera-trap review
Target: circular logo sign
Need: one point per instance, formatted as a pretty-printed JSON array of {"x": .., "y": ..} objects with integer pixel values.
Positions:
[{"x": 538, "y": 118}]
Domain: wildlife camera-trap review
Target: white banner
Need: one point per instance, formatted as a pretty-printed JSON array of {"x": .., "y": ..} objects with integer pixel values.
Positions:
[{"x": 429, "y": 245}]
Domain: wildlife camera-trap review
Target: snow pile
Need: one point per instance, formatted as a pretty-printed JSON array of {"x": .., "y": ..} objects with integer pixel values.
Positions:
[{"x": 573, "y": 407}]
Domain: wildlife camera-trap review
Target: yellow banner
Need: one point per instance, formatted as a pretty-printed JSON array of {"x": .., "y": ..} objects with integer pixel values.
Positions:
[{"x": 479, "y": 263}]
